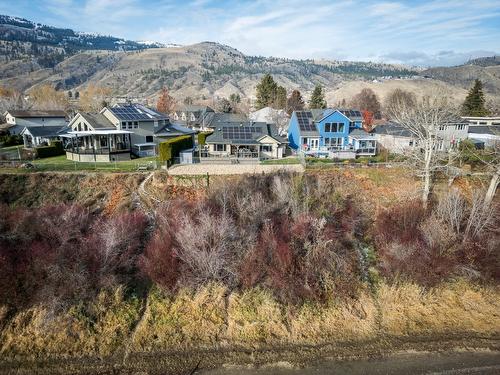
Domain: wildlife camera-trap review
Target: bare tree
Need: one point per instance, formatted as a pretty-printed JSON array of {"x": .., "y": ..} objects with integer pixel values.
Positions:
[{"x": 423, "y": 120}]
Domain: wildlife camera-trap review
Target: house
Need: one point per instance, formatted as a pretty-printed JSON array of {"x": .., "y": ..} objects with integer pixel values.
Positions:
[
  {"x": 238, "y": 142},
  {"x": 17, "y": 120},
  {"x": 116, "y": 132},
  {"x": 35, "y": 136},
  {"x": 487, "y": 120},
  {"x": 326, "y": 133},
  {"x": 270, "y": 115},
  {"x": 193, "y": 116},
  {"x": 397, "y": 139},
  {"x": 215, "y": 119},
  {"x": 450, "y": 134},
  {"x": 393, "y": 137},
  {"x": 484, "y": 135}
]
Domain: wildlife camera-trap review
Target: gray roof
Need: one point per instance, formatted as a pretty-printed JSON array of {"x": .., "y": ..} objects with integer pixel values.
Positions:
[
  {"x": 360, "y": 134},
  {"x": 173, "y": 130},
  {"x": 392, "y": 128},
  {"x": 37, "y": 113},
  {"x": 136, "y": 112},
  {"x": 213, "y": 119},
  {"x": 44, "y": 131},
  {"x": 485, "y": 129},
  {"x": 195, "y": 108},
  {"x": 97, "y": 120},
  {"x": 244, "y": 133}
]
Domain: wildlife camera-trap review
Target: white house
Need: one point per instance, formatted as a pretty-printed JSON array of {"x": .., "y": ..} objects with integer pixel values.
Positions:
[{"x": 19, "y": 119}]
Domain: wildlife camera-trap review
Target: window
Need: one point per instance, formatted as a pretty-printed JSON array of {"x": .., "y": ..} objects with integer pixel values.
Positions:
[
  {"x": 441, "y": 127},
  {"x": 136, "y": 124},
  {"x": 104, "y": 142},
  {"x": 124, "y": 125},
  {"x": 266, "y": 148},
  {"x": 328, "y": 127},
  {"x": 304, "y": 141},
  {"x": 341, "y": 128},
  {"x": 219, "y": 147},
  {"x": 156, "y": 123},
  {"x": 352, "y": 125},
  {"x": 333, "y": 142},
  {"x": 130, "y": 124},
  {"x": 149, "y": 138}
]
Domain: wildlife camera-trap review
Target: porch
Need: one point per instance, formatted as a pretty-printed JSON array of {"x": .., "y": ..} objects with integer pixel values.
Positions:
[
  {"x": 98, "y": 145},
  {"x": 231, "y": 154}
]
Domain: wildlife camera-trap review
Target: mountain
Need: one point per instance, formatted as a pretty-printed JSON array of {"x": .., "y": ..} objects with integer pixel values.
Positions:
[
  {"x": 35, "y": 54},
  {"x": 487, "y": 69}
]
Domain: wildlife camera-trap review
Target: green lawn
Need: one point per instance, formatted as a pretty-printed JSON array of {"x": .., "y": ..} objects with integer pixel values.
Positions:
[
  {"x": 60, "y": 163},
  {"x": 288, "y": 160}
]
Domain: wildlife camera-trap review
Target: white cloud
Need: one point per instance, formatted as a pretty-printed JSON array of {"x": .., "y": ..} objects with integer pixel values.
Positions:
[{"x": 351, "y": 29}]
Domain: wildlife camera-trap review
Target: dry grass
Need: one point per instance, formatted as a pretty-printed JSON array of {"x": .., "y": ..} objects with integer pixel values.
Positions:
[
  {"x": 188, "y": 319},
  {"x": 209, "y": 318},
  {"x": 98, "y": 330},
  {"x": 408, "y": 309},
  {"x": 315, "y": 323},
  {"x": 255, "y": 317}
]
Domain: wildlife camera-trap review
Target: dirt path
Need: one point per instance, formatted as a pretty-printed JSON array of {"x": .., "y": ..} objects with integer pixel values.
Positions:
[
  {"x": 482, "y": 362},
  {"x": 385, "y": 355}
]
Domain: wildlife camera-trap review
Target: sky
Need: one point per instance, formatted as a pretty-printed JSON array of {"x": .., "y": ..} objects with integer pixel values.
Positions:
[{"x": 420, "y": 33}]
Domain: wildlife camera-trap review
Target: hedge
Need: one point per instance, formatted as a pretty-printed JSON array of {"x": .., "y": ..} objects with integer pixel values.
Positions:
[
  {"x": 11, "y": 140},
  {"x": 202, "y": 137},
  {"x": 54, "y": 149},
  {"x": 170, "y": 149}
]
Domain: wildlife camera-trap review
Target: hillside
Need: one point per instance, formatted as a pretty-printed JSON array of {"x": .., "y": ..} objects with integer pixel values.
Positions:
[{"x": 35, "y": 54}]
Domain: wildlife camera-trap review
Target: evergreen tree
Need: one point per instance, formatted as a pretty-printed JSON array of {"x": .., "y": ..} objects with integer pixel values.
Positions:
[
  {"x": 224, "y": 106},
  {"x": 266, "y": 91},
  {"x": 317, "y": 100},
  {"x": 235, "y": 98},
  {"x": 280, "y": 101},
  {"x": 295, "y": 102},
  {"x": 474, "y": 102}
]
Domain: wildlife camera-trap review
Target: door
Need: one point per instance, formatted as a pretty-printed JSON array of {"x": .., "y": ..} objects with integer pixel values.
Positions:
[{"x": 314, "y": 143}]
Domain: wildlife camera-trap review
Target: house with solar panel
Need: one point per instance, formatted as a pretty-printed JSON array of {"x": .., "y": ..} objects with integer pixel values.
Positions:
[
  {"x": 239, "y": 142},
  {"x": 330, "y": 133},
  {"x": 117, "y": 132}
]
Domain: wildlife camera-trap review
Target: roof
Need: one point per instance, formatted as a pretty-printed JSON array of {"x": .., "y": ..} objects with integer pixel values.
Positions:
[
  {"x": 195, "y": 108},
  {"x": 392, "y": 128},
  {"x": 351, "y": 114},
  {"x": 267, "y": 114},
  {"x": 100, "y": 132},
  {"x": 172, "y": 129},
  {"x": 360, "y": 134},
  {"x": 37, "y": 113},
  {"x": 136, "y": 112},
  {"x": 243, "y": 133},
  {"x": 485, "y": 129},
  {"x": 44, "y": 131},
  {"x": 97, "y": 120},
  {"x": 213, "y": 119}
]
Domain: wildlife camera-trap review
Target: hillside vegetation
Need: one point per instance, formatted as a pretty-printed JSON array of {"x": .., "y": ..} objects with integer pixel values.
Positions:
[{"x": 245, "y": 263}]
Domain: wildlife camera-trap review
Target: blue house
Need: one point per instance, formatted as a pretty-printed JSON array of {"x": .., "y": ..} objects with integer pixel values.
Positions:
[{"x": 335, "y": 133}]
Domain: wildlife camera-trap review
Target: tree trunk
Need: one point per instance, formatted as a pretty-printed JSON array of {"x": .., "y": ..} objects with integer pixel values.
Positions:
[
  {"x": 490, "y": 194},
  {"x": 427, "y": 174}
]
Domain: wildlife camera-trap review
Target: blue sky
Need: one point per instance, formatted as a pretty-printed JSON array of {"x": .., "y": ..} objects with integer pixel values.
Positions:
[{"x": 439, "y": 32}]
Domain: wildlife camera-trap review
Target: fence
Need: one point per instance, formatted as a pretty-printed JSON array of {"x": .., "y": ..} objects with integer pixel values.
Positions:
[{"x": 128, "y": 166}]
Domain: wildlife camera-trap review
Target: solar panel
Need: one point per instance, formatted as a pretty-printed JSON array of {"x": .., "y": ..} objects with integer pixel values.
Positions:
[
  {"x": 240, "y": 132},
  {"x": 305, "y": 121}
]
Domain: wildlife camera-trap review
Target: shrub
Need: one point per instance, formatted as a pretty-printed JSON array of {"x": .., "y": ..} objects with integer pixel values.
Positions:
[
  {"x": 55, "y": 149},
  {"x": 11, "y": 140},
  {"x": 202, "y": 137},
  {"x": 170, "y": 149}
]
